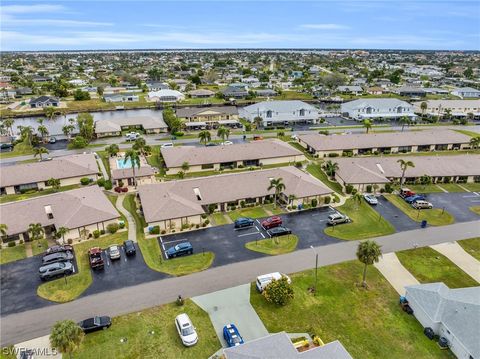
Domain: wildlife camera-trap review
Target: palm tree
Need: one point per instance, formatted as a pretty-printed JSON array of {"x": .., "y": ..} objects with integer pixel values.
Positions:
[
  {"x": 3, "y": 230},
  {"x": 475, "y": 142},
  {"x": 141, "y": 146},
  {"x": 223, "y": 133},
  {"x": 112, "y": 150},
  {"x": 181, "y": 174},
  {"x": 404, "y": 120},
  {"x": 36, "y": 231},
  {"x": 134, "y": 158},
  {"x": 67, "y": 130},
  {"x": 50, "y": 112},
  {"x": 26, "y": 132},
  {"x": 375, "y": 188},
  {"x": 40, "y": 151},
  {"x": 447, "y": 114},
  {"x": 423, "y": 107},
  {"x": 54, "y": 183},
  {"x": 258, "y": 121},
  {"x": 66, "y": 336},
  {"x": 367, "y": 124},
  {"x": 357, "y": 199},
  {"x": 43, "y": 131},
  {"x": 330, "y": 168},
  {"x": 8, "y": 123},
  {"x": 205, "y": 136},
  {"x": 368, "y": 252},
  {"x": 279, "y": 186},
  {"x": 404, "y": 165},
  {"x": 62, "y": 231},
  {"x": 425, "y": 180},
  {"x": 185, "y": 167}
]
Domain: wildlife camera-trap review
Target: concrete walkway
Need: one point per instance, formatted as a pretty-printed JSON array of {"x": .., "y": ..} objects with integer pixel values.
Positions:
[
  {"x": 232, "y": 305},
  {"x": 454, "y": 252},
  {"x": 396, "y": 274},
  {"x": 105, "y": 174},
  {"x": 40, "y": 347},
  {"x": 132, "y": 228}
]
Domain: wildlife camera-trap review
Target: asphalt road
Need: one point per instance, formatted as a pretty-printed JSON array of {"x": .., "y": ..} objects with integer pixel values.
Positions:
[{"x": 30, "y": 324}]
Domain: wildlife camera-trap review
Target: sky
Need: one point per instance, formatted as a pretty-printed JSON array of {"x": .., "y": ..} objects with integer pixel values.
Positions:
[{"x": 121, "y": 24}]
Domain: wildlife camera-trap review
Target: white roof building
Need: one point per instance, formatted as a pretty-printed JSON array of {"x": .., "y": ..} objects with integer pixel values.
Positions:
[
  {"x": 166, "y": 96},
  {"x": 371, "y": 108},
  {"x": 280, "y": 112}
]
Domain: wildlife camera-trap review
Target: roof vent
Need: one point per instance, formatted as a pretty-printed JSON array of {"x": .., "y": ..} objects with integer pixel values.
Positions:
[
  {"x": 197, "y": 193},
  {"x": 48, "y": 211},
  {"x": 379, "y": 166}
]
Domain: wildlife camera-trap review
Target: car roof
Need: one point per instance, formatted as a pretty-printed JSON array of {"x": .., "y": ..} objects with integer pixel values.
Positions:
[
  {"x": 95, "y": 250},
  {"x": 183, "y": 319}
]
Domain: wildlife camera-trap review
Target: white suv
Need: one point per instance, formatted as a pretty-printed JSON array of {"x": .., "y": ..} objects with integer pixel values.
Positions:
[
  {"x": 186, "y": 330},
  {"x": 337, "y": 218}
]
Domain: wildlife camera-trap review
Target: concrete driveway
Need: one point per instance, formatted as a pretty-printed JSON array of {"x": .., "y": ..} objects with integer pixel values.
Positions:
[
  {"x": 232, "y": 305},
  {"x": 454, "y": 252},
  {"x": 396, "y": 274}
]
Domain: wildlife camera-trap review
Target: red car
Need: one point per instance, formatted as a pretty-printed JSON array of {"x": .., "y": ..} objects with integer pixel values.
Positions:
[
  {"x": 405, "y": 192},
  {"x": 272, "y": 222},
  {"x": 95, "y": 257}
]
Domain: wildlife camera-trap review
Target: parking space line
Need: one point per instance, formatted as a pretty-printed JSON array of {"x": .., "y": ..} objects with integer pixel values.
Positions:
[
  {"x": 174, "y": 241},
  {"x": 161, "y": 241},
  {"x": 263, "y": 236},
  {"x": 163, "y": 247},
  {"x": 247, "y": 234}
]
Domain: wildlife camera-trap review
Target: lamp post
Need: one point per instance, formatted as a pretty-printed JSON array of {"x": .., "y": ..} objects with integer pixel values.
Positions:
[{"x": 316, "y": 271}]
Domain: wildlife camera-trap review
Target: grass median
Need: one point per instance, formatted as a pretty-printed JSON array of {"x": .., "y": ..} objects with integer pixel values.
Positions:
[
  {"x": 274, "y": 246},
  {"x": 475, "y": 209},
  {"x": 251, "y": 212},
  {"x": 315, "y": 170},
  {"x": 471, "y": 246},
  {"x": 434, "y": 216},
  {"x": 12, "y": 254},
  {"x": 366, "y": 222}
]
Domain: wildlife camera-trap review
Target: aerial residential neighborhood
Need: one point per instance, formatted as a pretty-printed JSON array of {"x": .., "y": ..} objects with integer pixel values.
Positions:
[{"x": 240, "y": 180}]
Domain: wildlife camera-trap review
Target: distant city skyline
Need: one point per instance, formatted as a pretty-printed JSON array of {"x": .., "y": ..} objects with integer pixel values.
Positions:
[{"x": 124, "y": 25}]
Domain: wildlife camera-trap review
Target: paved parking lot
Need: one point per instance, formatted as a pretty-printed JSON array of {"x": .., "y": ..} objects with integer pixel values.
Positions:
[
  {"x": 395, "y": 216},
  {"x": 457, "y": 204}
]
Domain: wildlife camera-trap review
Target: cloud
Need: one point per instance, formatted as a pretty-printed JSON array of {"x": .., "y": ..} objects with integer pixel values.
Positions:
[
  {"x": 31, "y": 9},
  {"x": 324, "y": 26},
  {"x": 12, "y": 21}
]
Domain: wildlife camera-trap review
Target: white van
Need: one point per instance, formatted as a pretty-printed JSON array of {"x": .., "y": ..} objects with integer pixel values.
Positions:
[
  {"x": 186, "y": 330},
  {"x": 167, "y": 145},
  {"x": 266, "y": 279}
]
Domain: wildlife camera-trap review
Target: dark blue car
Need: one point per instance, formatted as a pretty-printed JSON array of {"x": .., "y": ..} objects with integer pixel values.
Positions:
[
  {"x": 244, "y": 222},
  {"x": 181, "y": 249},
  {"x": 232, "y": 336},
  {"x": 417, "y": 197}
]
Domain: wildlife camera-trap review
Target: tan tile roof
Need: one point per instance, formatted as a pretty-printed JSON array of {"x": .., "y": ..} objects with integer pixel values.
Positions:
[
  {"x": 176, "y": 156},
  {"x": 143, "y": 171},
  {"x": 177, "y": 199},
  {"x": 71, "y": 209},
  {"x": 58, "y": 167}
]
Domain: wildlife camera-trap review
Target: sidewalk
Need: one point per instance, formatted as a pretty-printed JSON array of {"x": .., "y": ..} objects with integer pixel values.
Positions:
[
  {"x": 454, "y": 252},
  {"x": 40, "y": 348},
  {"x": 396, "y": 274},
  {"x": 132, "y": 228}
]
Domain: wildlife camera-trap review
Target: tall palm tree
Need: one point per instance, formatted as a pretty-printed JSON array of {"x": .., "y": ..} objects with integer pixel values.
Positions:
[
  {"x": 50, "y": 112},
  {"x": 8, "y": 123},
  {"x": 423, "y": 107},
  {"x": 62, "y": 231},
  {"x": 404, "y": 165},
  {"x": 40, "y": 151},
  {"x": 67, "y": 130},
  {"x": 330, "y": 168},
  {"x": 36, "y": 231},
  {"x": 43, "y": 131},
  {"x": 112, "y": 150},
  {"x": 357, "y": 199},
  {"x": 475, "y": 142},
  {"x": 223, "y": 133},
  {"x": 367, "y": 124},
  {"x": 404, "y": 120},
  {"x": 134, "y": 158},
  {"x": 66, "y": 336},
  {"x": 368, "y": 252},
  {"x": 258, "y": 121},
  {"x": 447, "y": 114},
  {"x": 3, "y": 230},
  {"x": 141, "y": 146},
  {"x": 205, "y": 136},
  {"x": 26, "y": 132},
  {"x": 278, "y": 185}
]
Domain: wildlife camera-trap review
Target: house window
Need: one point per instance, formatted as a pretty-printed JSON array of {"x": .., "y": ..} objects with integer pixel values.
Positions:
[
  {"x": 269, "y": 114},
  {"x": 302, "y": 112}
]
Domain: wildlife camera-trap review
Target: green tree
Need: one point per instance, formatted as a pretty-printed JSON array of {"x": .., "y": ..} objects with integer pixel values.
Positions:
[
  {"x": 67, "y": 130},
  {"x": 278, "y": 292},
  {"x": 141, "y": 146},
  {"x": 368, "y": 252},
  {"x": 112, "y": 150},
  {"x": 35, "y": 231},
  {"x": 100, "y": 90},
  {"x": 26, "y": 134},
  {"x": 3, "y": 230},
  {"x": 172, "y": 121},
  {"x": 181, "y": 174},
  {"x": 367, "y": 124},
  {"x": 403, "y": 166},
  {"x": 468, "y": 73},
  {"x": 205, "y": 136},
  {"x": 40, "y": 151},
  {"x": 423, "y": 107},
  {"x": 185, "y": 167},
  {"x": 50, "y": 112},
  {"x": 134, "y": 158},
  {"x": 404, "y": 120},
  {"x": 54, "y": 183},
  {"x": 80, "y": 95},
  {"x": 86, "y": 126},
  {"x": 330, "y": 168},
  {"x": 66, "y": 337},
  {"x": 223, "y": 133},
  {"x": 357, "y": 199},
  {"x": 78, "y": 142},
  {"x": 475, "y": 142},
  {"x": 425, "y": 180},
  {"x": 257, "y": 121},
  {"x": 277, "y": 185},
  {"x": 8, "y": 123},
  {"x": 62, "y": 231},
  {"x": 43, "y": 131}
]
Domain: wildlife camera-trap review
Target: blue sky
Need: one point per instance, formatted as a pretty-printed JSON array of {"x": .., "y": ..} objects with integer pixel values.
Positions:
[{"x": 121, "y": 24}]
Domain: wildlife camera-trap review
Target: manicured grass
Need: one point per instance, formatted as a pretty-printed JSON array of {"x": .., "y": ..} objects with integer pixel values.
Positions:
[
  {"x": 431, "y": 188},
  {"x": 20, "y": 149},
  {"x": 252, "y": 212},
  {"x": 219, "y": 218},
  {"x": 11, "y": 254},
  {"x": 369, "y": 323},
  {"x": 433, "y": 216},
  {"x": 293, "y": 95},
  {"x": 315, "y": 170},
  {"x": 366, "y": 222},
  {"x": 137, "y": 328},
  {"x": 451, "y": 187},
  {"x": 20, "y": 196},
  {"x": 274, "y": 246},
  {"x": 471, "y": 246},
  {"x": 39, "y": 246},
  {"x": 57, "y": 291},
  {"x": 469, "y": 133},
  {"x": 475, "y": 209},
  {"x": 131, "y": 206},
  {"x": 474, "y": 187},
  {"x": 429, "y": 266},
  {"x": 274, "y": 210},
  {"x": 104, "y": 157},
  {"x": 302, "y": 149}
]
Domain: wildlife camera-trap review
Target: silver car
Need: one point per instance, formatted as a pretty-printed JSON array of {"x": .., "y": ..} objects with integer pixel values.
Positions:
[
  {"x": 55, "y": 269},
  {"x": 338, "y": 218},
  {"x": 57, "y": 257},
  {"x": 371, "y": 199},
  {"x": 114, "y": 252}
]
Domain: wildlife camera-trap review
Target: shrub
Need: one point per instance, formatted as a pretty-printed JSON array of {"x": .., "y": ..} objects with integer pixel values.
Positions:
[
  {"x": 163, "y": 231},
  {"x": 70, "y": 241},
  {"x": 382, "y": 190},
  {"x": 348, "y": 188},
  {"x": 120, "y": 183},
  {"x": 203, "y": 215},
  {"x": 84, "y": 181},
  {"x": 186, "y": 226},
  {"x": 180, "y": 301},
  {"x": 278, "y": 292},
  {"x": 314, "y": 202},
  {"x": 96, "y": 233},
  {"x": 369, "y": 188},
  {"x": 108, "y": 185},
  {"x": 326, "y": 200},
  {"x": 118, "y": 189},
  {"x": 101, "y": 182},
  {"x": 354, "y": 191},
  {"x": 90, "y": 235},
  {"x": 242, "y": 204},
  {"x": 21, "y": 241},
  {"x": 388, "y": 188},
  {"x": 241, "y": 166},
  {"x": 121, "y": 225},
  {"x": 124, "y": 189},
  {"x": 298, "y": 164},
  {"x": 204, "y": 224},
  {"x": 211, "y": 208},
  {"x": 179, "y": 134},
  {"x": 333, "y": 155},
  {"x": 112, "y": 228},
  {"x": 78, "y": 142},
  {"x": 102, "y": 232},
  {"x": 197, "y": 226},
  {"x": 207, "y": 221},
  {"x": 155, "y": 230},
  {"x": 11, "y": 244}
]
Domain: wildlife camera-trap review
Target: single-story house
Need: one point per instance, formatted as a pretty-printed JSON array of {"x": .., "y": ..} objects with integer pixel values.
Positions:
[
  {"x": 234, "y": 92},
  {"x": 466, "y": 92},
  {"x": 372, "y": 108},
  {"x": 250, "y": 154},
  {"x": 114, "y": 127},
  {"x": 34, "y": 176},
  {"x": 166, "y": 95},
  {"x": 411, "y": 91},
  {"x": 174, "y": 204},
  {"x": 457, "y": 108},
  {"x": 44, "y": 101},
  {"x": 201, "y": 93},
  {"x": 24, "y": 91},
  {"x": 453, "y": 314},
  {"x": 280, "y": 112},
  {"x": 364, "y": 171},
  {"x": 387, "y": 142},
  {"x": 157, "y": 86},
  {"x": 121, "y": 97},
  {"x": 83, "y": 208},
  {"x": 279, "y": 345},
  {"x": 376, "y": 90},
  {"x": 266, "y": 93},
  {"x": 352, "y": 89},
  {"x": 209, "y": 117},
  {"x": 143, "y": 175}
]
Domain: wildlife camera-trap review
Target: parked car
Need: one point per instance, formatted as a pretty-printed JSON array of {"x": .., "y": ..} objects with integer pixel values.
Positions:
[
  {"x": 294, "y": 137},
  {"x": 52, "y": 270},
  {"x": 114, "y": 252},
  {"x": 338, "y": 218},
  {"x": 406, "y": 192},
  {"x": 63, "y": 248},
  {"x": 265, "y": 279},
  {"x": 186, "y": 330},
  {"x": 181, "y": 249},
  {"x": 232, "y": 336},
  {"x": 244, "y": 222},
  {"x": 417, "y": 197},
  {"x": 95, "y": 258},
  {"x": 371, "y": 199},
  {"x": 278, "y": 231},
  {"x": 167, "y": 145},
  {"x": 420, "y": 204},
  {"x": 132, "y": 136},
  {"x": 96, "y": 323},
  {"x": 57, "y": 257},
  {"x": 129, "y": 247},
  {"x": 227, "y": 143},
  {"x": 257, "y": 138},
  {"x": 6, "y": 146},
  {"x": 211, "y": 144},
  {"x": 52, "y": 140},
  {"x": 272, "y": 222}
]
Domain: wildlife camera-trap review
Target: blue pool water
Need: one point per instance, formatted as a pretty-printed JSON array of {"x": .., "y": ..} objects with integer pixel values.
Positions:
[{"x": 121, "y": 164}]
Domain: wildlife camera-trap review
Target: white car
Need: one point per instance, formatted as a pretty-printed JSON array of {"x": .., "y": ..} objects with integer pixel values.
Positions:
[
  {"x": 294, "y": 137},
  {"x": 166, "y": 145},
  {"x": 266, "y": 279},
  {"x": 132, "y": 136},
  {"x": 371, "y": 199},
  {"x": 227, "y": 143},
  {"x": 114, "y": 252},
  {"x": 186, "y": 330}
]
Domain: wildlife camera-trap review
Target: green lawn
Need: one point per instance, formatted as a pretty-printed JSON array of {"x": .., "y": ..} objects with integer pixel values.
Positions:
[
  {"x": 274, "y": 246},
  {"x": 293, "y": 95},
  {"x": 315, "y": 170},
  {"x": 474, "y": 187},
  {"x": 475, "y": 209},
  {"x": 57, "y": 291},
  {"x": 131, "y": 206},
  {"x": 164, "y": 342},
  {"x": 20, "y": 149},
  {"x": 219, "y": 218},
  {"x": 369, "y": 323},
  {"x": 20, "y": 196},
  {"x": 300, "y": 148},
  {"x": 472, "y": 246},
  {"x": 251, "y": 212},
  {"x": 39, "y": 246},
  {"x": 434, "y": 216},
  {"x": 431, "y": 188},
  {"x": 366, "y": 222},
  {"x": 451, "y": 187},
  {"x": 273, "y": 209},
  {"x": 429, "y": 266},
  {"x": 11, "y": 254},
  {"x": 469, "y": 133}
]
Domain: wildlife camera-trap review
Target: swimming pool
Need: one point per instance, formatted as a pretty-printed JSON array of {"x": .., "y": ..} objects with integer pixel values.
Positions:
[{"x": 121, "y": 164}]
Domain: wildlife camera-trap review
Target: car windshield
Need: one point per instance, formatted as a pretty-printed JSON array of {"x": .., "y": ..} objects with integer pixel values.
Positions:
[{"x": 187, "y": 331}]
